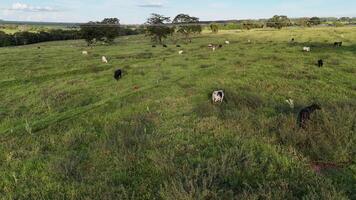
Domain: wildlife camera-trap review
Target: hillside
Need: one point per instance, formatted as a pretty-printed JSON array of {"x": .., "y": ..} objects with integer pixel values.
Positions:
[{"x": 68, "y": 130}]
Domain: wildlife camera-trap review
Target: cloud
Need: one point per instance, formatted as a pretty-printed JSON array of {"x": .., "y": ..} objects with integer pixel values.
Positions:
[
  {"x": 152, "y": 4},
  {"x": 29, "y": 8}
]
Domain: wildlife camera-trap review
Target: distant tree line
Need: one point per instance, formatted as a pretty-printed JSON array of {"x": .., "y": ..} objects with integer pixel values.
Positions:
[
  {"x": 105, "y": 31},
  {"x": 25, "y": 37}
]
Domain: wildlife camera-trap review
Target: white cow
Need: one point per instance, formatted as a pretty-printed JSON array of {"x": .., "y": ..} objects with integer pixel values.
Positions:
[
  {"x": 218, "y": 96},
  {"x": 210, "y": 45},
  {"x": 104, "y": 60},
  {"x": 227, "y": 42},
  {"x": 181, "y": 52},
  {"x": 290, "y": 102},
  {"x": 306, "y": 49},
  {"x": 84, "y": 52}
]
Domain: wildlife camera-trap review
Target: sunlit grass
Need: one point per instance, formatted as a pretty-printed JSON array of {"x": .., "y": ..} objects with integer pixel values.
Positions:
[{"x": 68, "y": 130}]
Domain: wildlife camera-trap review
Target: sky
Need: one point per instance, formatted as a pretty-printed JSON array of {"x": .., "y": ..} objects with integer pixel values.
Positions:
[{"x": 136, "y": 11}]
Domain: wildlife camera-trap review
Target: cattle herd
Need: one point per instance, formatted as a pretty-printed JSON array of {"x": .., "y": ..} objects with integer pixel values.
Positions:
[{"x": 218, "y": 96}]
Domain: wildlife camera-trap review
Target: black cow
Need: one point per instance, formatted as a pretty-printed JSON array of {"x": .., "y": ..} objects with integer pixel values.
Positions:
[
  {"x": 153, "y": 46},
  {"x": 292, "y": 39},
  {"x": 165, "y": 46},
  {"x": 118, "y": 74},
  {"x": 178, "y": 45},
  {"x": 337, "y": 44},
  {"x": 304, "y": 115},
  {"x": 220, "y": 45},
  {"x": 320, "y": 63}
]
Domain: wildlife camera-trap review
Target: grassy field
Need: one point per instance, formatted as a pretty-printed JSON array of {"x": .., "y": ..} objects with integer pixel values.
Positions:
[{"x": 68, "y": 130}]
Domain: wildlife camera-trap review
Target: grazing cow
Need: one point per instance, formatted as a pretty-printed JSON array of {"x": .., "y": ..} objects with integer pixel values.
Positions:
[
  {"x": 290, "y": 102},
  {"x": 165, "y": 46},
  {"x": 306, "y": 49},
  {"x": 320, "y": 63},
  {"x": 38, "y": 47},
  {"x": 304, "y": 115},
  {"x": 220, "y": 45},
  {"x": 178, "y": 45},
  {"x": 181, "y": 52},
  {"x": 153, "y": 46},
  {"x": 84, "y": 52},
  {"x": 118, "y": 74},
  {"x": 338, "y": 44},
  {"x": 218, "y": 96},
  {"x": 227, "y": 42},
  {"x": 104, "y": 60},
  {"x": 210, "y": 45}
]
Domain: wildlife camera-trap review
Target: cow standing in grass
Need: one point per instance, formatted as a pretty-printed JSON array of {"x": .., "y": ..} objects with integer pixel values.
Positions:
[
  {"x": 306, "y": 49},
  {"x": 218, "y": 96},
  {"x": 118, "y": 74},
  {"x": 104, "y": 60},
  {"x": 337, "y": 44},
  {"x": 320, "y": 63},
  {"x": 304, "y": 115}
]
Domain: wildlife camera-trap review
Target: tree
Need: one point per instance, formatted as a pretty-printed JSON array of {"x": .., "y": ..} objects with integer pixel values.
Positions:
[
  {"x": 186, "y": 25},
  {"x": 106, "y": 30},
  {"x": 214, "y": 28},
  {"x": 248, "y": 25},
  {"x": 111, "y": 29},
  {"x": 304, "y": 22},
  {"x": 157, "y": 29},
  {"x": 314, "y": 21},
  {"x": 278, "y": 21},
  {"x": 345, "y": 19},
  {"x": 90, "y": 32}
]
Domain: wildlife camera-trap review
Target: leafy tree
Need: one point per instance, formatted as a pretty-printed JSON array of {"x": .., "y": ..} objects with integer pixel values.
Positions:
[
  {"x": 214, "y": 28},
  {"x": 345, "y": 19},
  {"x": 110, "y": 29},
  {"x": 247, "y": 25},
  {"x": 314, "y": 21},
  {"x": 157, "y": 29},
  {"x": 186, "y": 25},
  {"x": 91, "y": 32},
  {"x": 304, "y": 22},
  {"x": 106, "y": 30},
  {"x": 278, "y": 21}
]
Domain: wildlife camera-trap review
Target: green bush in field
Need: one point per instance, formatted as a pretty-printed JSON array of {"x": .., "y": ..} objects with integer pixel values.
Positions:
[
  {"x": 315, "y": 21},
  {"x": 214, "y": 28},
  {"x": 338, "y": 24},
  {"x": 278, "y": 22}
]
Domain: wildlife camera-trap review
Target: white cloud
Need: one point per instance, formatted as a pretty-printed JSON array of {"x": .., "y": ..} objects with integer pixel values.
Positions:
[
  {"x": 152, "y": 4},
  {"x": 29, "y": 8}
]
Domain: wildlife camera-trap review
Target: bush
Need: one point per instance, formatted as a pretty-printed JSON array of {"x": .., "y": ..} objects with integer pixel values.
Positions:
[
  {"x": 214, "y": 28},
  {"x": 279, "y": 22}
]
